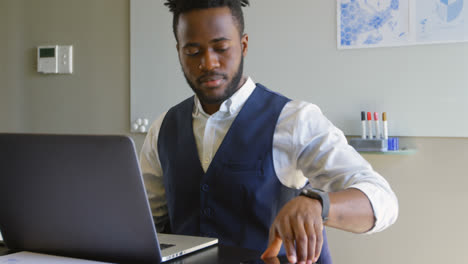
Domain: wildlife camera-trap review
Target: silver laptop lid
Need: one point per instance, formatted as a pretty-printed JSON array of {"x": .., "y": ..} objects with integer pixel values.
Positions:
[{"x": 77, "y": 196}]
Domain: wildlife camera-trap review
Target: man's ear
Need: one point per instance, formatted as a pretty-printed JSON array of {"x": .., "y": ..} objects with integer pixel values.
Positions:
[{"x": 245, "y": 44}]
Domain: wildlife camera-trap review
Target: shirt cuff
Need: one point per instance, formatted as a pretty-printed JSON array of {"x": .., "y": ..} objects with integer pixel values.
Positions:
[{"x": 384, "y": 204}]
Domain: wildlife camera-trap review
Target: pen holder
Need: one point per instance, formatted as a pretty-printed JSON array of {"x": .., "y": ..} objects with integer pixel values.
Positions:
[{"x": 369, "y": 144}]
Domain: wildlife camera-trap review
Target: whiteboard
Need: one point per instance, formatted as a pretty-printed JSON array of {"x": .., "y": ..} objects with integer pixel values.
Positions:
[{"x": 292, "y": 50}]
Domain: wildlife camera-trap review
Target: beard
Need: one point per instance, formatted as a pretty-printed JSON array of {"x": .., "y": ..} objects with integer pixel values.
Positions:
[{"x": 231, "y": 87}]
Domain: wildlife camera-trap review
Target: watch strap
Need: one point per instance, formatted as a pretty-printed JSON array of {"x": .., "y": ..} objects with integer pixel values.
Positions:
[{"x": 321, "y": 196}]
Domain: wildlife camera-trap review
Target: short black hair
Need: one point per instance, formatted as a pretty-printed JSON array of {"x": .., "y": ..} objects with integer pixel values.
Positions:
[{"x": 178, "y": 7}]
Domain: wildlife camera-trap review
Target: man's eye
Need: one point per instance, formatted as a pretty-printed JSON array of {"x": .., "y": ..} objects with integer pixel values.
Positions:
[
  {"x": 222, "y": 49},
  {"x": 192, "y": 52}
]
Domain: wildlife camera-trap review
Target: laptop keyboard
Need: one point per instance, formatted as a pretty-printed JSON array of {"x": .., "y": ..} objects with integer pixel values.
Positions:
[{"x": 164, "y": 246}]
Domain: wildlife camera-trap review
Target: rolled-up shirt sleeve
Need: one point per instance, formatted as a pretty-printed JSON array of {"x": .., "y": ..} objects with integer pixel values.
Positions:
[
  {"x": 153, "y": 176},
  {"x": 308, "y": 147}
]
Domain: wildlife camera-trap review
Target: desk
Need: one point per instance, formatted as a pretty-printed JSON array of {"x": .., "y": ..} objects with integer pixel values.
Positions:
[{"x": 218, "y": 254}]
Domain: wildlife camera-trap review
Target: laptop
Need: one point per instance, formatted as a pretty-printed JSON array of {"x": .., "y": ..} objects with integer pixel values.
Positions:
[{"x": 81, "y": 196}]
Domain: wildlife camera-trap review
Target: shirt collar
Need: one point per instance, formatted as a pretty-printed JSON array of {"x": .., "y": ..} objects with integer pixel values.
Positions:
[{"x": 233, "y": 104}]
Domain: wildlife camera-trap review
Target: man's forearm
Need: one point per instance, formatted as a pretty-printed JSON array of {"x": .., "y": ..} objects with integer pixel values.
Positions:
[{"x": 350, "y": 210}]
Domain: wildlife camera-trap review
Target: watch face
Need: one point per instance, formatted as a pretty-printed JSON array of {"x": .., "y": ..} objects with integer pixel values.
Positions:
[{"x": 313, "y": 193}]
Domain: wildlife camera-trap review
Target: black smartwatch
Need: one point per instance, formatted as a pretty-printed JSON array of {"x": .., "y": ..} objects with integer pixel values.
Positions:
[{"x": 320, "y": 195}]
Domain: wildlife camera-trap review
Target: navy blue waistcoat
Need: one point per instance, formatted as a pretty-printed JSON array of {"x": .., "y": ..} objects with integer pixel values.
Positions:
[{"x": 239, "y": 196}]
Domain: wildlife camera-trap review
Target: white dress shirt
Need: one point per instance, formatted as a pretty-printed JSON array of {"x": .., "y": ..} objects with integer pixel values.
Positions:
[{"x": 306, "y": 147}]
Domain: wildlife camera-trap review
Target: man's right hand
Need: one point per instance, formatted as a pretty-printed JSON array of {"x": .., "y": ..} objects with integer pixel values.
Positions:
[{"x": 299, "y": 226}]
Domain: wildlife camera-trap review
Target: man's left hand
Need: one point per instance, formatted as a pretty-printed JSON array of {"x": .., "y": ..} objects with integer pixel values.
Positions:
[{"x": 299, "y": 226}]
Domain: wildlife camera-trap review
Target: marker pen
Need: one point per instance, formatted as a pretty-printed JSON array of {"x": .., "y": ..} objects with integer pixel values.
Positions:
[
  {"x": 369, "y": 124},
  {"x": 363, "y": 124},
  {"x": 385, "y": 128},
  {"x": 377, "y": 126}
]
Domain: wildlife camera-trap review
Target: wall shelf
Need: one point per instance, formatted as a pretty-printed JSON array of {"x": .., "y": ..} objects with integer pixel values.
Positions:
[{"x": 392, "y": 152}]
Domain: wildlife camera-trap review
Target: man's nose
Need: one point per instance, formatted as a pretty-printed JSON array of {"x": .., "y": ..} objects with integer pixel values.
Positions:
[{"x": 209, "y": 61}]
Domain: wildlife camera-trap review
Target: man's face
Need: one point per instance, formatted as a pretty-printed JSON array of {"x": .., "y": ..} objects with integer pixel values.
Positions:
[{"x": 211, "y": 53}]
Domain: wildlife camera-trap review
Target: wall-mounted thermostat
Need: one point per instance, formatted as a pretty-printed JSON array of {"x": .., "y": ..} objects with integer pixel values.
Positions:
[{"x": 55, "y": 59}]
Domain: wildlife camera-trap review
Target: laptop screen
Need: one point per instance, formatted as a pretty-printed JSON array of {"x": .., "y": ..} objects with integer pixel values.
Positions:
[{"x": 77, "y": 196}]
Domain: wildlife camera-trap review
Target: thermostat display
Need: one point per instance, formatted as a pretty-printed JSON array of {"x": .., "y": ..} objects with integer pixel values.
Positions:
[
  {"x": 47, "y": 53},
  {"x": 55, "y": 59}
]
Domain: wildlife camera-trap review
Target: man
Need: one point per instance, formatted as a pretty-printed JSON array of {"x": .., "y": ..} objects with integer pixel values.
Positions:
[{"x": 232, "y": 161}]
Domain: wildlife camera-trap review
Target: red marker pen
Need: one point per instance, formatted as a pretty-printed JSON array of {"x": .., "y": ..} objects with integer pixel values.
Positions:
[{"x": 369, "y": 125}]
